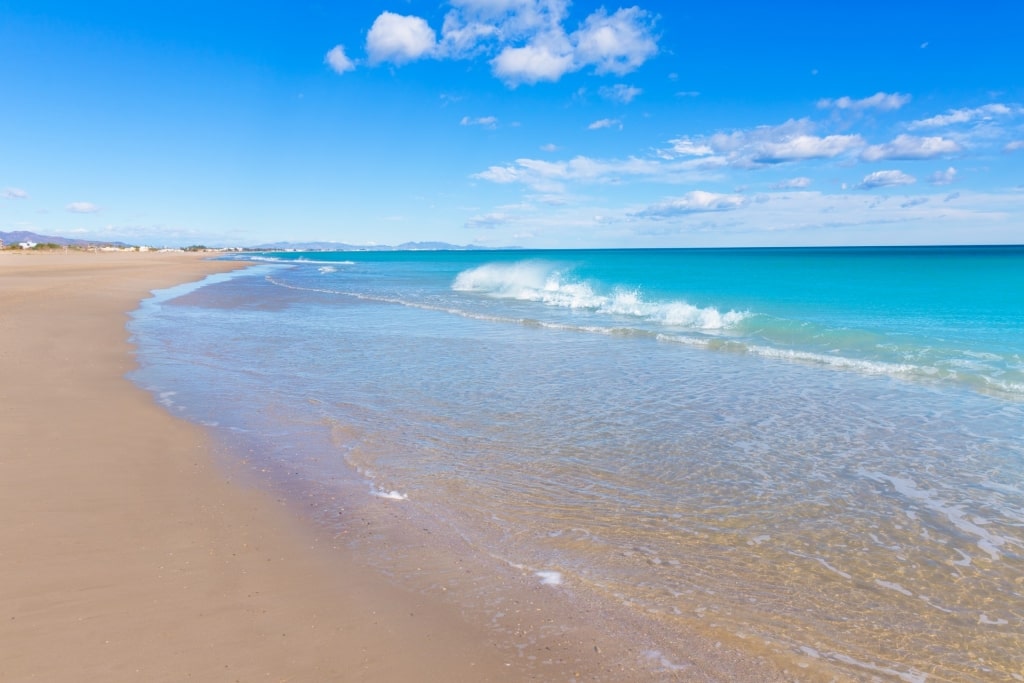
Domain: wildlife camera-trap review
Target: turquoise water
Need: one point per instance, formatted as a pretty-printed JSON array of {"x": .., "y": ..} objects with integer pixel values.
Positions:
[{"x": 814, "y": 453}]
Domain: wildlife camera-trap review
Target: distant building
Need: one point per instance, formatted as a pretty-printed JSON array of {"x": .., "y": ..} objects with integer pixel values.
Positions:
[{"x": 28, "y": 244}]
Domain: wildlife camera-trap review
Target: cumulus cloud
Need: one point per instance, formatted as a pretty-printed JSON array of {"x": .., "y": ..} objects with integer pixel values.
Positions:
[
  {"x": 618, "y": 43},
  {"x": 911, "y": 147},
  {"x": 14, "y": 193},
  {"x": 943, "y": 177},
  {"x": 399, "y": 39},
  {"x": 886, "y": 179},
  {"x": 82, "y": 207},
  {"x": 485, "y": 121},
  {"x": 527, "y": 39},
  {"x": 605, "y": 123},
  {"x": 697, "y": 201},
  {"x": 793, "y": 184},
  {"x": 764, "y": 145},
  {"x": 546, "y": 60},
  {"x": 338, "y": 60},
  {"x": 619, "y": 93},
  {"x": 880, "y": 100},
  {"x": 952, "y": 117}
]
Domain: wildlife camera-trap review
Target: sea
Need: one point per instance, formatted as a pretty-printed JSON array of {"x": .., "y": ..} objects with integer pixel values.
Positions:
[{"x": 814, "y": 454}]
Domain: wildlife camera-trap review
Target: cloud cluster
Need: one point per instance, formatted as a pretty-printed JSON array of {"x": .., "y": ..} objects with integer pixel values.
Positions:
[
  {"x": 987, "y": 112},
  {"x": 526, "y": 40},
  {"x": 794, "y": 140},
  {"x": 550, "y": 176},
  {"x": 14, "y": 193},
  {"x": 911, "y": 147},
  {"x": 697, "y": 201},
  {"x": 886, "y": 179},
  {"x": 736, "y": 180},
  {"x": 880, "y": 100}
]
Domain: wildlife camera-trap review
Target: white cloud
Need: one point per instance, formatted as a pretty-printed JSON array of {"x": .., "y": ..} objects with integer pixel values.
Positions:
[
  {"x": 545, "y": 61},
  {"x": 488, "y": 221},
  {"x": 886, "y": 179},
  {"x": 987, "y": 112},
  {"x": 943, "y": 177},
  {"x": 880, "y": 100},
  {"x": 620, "y": 93},
  {"x": 799, "y": 147},
  {"x": 793, "y": 184},
  {"x": 618, "y": 43},
  {"x": 605, "y": 123},
  {"x": 550, "y": 147},
  {"x": 1013, "y": 146},
  {"x": 911, "y": 147},
  {"x": 14, "y": 193},
  {"x": 791, "y": 141},
  {"x": 696, "y": 201},
  {"x": 485, "y": 121},
  {"x": 550, "y": 176},
  {"x": 527, "y": 38},
  {"x": 82, "y": 207},
  {"x": 690, "y": 148},
  {"x": 399, "y": 39},
  {"x": 338, "y": 60}
]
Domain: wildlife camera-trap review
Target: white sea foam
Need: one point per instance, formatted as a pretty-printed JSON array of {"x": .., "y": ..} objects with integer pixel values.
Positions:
[
  {"x": 390, "y": 495},
  {"x": 546, "y": 283},
  {"x": 549, "y": 578},
  {"x": 327, "y": 269}
]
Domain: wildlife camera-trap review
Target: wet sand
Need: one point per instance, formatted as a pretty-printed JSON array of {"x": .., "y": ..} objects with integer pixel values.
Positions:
[{"x": 129, "y": 551}]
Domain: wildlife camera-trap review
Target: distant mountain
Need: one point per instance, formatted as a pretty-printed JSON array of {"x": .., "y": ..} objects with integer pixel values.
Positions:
[
  {"x": 341, "y": 246},
  {"x": 19, "y": 236}
]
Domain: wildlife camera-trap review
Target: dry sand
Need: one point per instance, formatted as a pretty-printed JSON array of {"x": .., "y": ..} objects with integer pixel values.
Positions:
[{"x": 126, "y": 554}]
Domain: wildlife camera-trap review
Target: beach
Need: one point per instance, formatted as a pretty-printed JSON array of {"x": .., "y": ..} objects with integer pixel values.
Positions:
[
  {"x": 491, "y": 466},
  {"x": 128, "y": 553}
]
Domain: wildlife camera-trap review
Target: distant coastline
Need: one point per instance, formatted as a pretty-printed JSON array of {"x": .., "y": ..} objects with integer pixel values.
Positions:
[{"x": 26, "y": 240}]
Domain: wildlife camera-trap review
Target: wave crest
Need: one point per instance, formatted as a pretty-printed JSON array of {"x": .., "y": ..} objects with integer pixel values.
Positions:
[{"x": 551, "y": 285}]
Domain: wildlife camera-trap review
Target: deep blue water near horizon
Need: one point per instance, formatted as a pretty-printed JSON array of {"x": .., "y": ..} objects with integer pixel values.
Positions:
[{"x": 817, "y": 450}]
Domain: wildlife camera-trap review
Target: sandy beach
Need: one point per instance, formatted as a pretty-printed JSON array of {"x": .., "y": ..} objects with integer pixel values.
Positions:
[
  {"x": 127, "y": 554},
  {"x": 131, "y": 550}
]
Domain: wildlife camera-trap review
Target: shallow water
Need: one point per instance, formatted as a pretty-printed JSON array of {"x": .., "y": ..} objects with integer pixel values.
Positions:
[{"x": 773, "y": 462}]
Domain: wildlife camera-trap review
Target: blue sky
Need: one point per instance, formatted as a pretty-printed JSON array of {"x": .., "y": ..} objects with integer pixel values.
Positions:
[{"x": 537, "y": 123}]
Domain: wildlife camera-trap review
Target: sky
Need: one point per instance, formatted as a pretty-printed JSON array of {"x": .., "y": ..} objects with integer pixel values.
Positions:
[{"x": 531, "y": 123}]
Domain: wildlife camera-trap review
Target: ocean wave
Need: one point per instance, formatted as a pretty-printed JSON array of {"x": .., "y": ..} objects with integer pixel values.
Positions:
[
  {"x": 681, "y": 323},
  {"x": 551, "y": 285}
]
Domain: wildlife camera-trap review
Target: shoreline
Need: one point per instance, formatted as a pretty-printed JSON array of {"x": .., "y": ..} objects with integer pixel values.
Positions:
[
  {"x": 127, "y": 554},
  {"x": 132, "y": 546}
]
